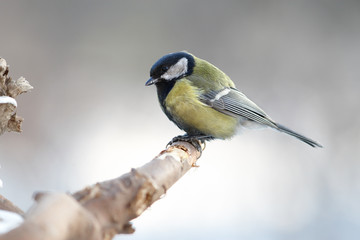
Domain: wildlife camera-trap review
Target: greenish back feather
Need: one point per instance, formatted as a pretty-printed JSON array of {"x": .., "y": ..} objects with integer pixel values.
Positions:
[{"x": 208, "y": 77}]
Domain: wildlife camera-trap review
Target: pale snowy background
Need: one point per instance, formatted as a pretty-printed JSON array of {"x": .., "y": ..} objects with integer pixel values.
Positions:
[{"x": 90, "y": 112}]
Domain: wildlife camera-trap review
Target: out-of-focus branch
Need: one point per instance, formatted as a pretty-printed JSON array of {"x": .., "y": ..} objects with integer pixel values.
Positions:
[
  {"x": 7, "y": 205},
  {"x": 105, "y": 209},
  {"x": 9, "y": 89}
]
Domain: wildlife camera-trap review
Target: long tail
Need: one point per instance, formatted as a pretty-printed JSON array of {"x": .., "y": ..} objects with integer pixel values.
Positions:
[{"x": 284, "y": 129}]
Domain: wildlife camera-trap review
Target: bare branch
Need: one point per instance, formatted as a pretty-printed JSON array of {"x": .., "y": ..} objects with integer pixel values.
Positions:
[
  {"x": 9, "y": 89},
  {"x": 105, "y": 209},
  {"x": 7, "y": 205}
]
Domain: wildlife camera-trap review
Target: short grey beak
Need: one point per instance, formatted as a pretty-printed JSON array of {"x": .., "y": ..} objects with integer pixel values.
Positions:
[{"x": 151, "y": 81}]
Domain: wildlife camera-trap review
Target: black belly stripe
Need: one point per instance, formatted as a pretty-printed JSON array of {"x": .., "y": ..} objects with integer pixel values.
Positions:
[{"x": 163, "y": 89}]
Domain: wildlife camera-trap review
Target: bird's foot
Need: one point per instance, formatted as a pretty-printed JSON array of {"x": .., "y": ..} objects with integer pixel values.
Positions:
[{"x": 196, "y": 141}]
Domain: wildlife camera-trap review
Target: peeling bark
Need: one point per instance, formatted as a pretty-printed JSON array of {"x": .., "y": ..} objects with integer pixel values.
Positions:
[
  {"x": 9, "y": 89},
  {"x": 105, "y": 209}
]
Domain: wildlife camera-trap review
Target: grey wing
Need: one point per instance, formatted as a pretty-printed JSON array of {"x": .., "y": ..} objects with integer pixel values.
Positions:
[{"x": 233, "y": 102}]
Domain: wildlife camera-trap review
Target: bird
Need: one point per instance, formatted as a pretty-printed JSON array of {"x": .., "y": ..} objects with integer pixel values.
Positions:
[{"x": 204, "y": 102}]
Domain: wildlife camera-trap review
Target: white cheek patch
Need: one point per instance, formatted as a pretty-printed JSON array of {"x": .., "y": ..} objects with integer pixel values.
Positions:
[{"x": 176, "y": 70}]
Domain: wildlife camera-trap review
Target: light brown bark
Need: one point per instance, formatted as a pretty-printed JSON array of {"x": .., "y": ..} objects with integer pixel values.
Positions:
[
  {"x": 9, "y": 89},
  {"x": 102, "y": 210}
]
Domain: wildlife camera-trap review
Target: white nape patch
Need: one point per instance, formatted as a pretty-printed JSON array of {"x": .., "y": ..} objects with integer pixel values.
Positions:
[
  {"x": 6, "y": 99},
  {"x": 176, "y": 70},
  {"x": 220, "y": 94}
]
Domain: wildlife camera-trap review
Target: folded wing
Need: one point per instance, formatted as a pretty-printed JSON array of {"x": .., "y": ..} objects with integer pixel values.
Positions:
[{"x": 232, "y": 102}]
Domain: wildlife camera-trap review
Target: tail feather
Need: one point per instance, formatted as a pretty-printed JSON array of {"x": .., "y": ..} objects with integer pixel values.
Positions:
[{"x": 284, "y": 129}]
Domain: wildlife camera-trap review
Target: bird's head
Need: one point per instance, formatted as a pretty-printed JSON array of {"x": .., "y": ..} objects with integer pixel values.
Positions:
[{"x": 171, "y": 67}]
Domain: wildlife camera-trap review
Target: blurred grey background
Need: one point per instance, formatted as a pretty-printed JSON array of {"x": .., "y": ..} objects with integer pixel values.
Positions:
[{"x": 90, "y": 113}]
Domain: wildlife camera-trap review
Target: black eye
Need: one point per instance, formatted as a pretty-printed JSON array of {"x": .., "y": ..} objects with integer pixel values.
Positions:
[{"x": 164, "y": 69}]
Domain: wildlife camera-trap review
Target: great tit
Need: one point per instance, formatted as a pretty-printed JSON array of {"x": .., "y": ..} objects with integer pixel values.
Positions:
[{"x": 204, "y": 102}]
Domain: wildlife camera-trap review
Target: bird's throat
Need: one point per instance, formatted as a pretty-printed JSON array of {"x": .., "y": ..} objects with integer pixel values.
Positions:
[{"x": 163, "y": 89}]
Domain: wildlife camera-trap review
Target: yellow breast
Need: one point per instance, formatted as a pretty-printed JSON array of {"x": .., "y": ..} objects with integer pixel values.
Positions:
[{"x": 184, "y": 105}]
